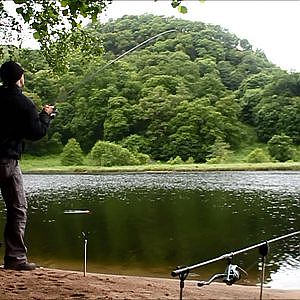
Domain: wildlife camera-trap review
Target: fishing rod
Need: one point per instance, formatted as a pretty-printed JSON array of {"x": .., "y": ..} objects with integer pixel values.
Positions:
[
  {"x": 136, "y": 47},
  {"x": 89, "y": 77},
  {"x": 231, "y": 274}
]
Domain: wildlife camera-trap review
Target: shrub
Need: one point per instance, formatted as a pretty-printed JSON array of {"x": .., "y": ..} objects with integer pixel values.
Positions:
[
  {"x": 176, "y": 161},
  {"x": 45, "y": 145},
  {"x": 108, "y": 154},
  {"x": 135, "y": 143},
  {"x": 142, "y": 158},
  {"x": 215, "y": 160},
  {"x": 219, "y": 152},
  {"x": 55, "y": 145},
  {"x": 37, "y": 148},
  {"x": 190, "y": 160},
  {"x": 281, "y": 147},
  {"x": 72, "y": 154},
  {"x": 258, "y": 155}
]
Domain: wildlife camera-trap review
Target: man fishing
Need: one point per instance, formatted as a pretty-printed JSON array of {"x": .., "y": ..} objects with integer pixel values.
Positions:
[{"x": 19, "y": 120}]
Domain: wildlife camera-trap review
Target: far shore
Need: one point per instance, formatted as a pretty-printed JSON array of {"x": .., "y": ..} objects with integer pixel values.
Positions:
[{"x": 44, "y": 168}]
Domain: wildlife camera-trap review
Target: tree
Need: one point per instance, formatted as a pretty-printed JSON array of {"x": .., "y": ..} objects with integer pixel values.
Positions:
[
  {"x": 44, "y": 84},
  {"x": 207, "y": 65},
  {"x": 218, "y": 152},
  {"x": 87, "y": 125},
  {"x": 108, "y": 154},
  {"x": 116, "y": 123},
  {"x": 175, "y": 161},
  {"x": 164, "y": 99},
  {"x": 54, "y": 145},
  {"x": 258, "y": 155},
  {"x": 249, "y": 101},
  {"x": 135, "y": 143},
  {"x": 285, "y": 85},
  {"x": 277, "y": 114},
  {"x": 72, "y": 154},
  {"x": 281, "y": 147},
  {"x": 56, "y": 25},
  {"x": 193, "y": 129}
]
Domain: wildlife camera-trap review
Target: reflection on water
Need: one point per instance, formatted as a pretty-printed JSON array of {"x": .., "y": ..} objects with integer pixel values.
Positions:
[
  {"x": 287, "y": 276},
  {"x": 150, "y": 223}
]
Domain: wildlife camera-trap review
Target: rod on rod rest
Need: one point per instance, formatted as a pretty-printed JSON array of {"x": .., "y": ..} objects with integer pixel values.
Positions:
[{"x": 228, "y": 255}]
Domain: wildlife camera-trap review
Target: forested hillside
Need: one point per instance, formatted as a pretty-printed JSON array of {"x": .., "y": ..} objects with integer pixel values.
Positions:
[{"x": 189, "y": 93}]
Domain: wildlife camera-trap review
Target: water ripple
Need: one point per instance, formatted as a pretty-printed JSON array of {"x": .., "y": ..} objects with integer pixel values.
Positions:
[{"x": 283, "y": 181}]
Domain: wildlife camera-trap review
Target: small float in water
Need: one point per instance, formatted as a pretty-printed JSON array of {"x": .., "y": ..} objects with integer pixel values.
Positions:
[{"x": 77, "y": 211}]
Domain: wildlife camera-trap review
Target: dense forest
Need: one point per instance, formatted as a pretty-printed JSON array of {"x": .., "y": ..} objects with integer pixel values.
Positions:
[{"x": 195, "y": 93}]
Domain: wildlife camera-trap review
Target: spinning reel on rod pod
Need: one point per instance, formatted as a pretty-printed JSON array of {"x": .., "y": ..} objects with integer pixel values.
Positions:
[
  {"x": 230, "y": 276},
  {"x": 232, "y": 272}
]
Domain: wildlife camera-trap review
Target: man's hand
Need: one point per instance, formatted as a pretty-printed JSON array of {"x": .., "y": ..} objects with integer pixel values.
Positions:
[{"x": 48, "y": 109}]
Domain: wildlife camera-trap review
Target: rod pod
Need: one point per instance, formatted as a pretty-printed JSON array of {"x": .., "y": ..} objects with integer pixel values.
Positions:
[{"x": 263, "y": 251}]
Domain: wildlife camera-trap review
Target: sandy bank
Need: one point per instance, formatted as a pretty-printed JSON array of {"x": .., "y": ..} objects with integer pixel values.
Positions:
[{"x": 57, "y": 284}]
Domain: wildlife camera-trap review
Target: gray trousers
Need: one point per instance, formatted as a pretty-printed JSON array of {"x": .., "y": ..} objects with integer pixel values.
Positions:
[{"x": 11, "y": 185}]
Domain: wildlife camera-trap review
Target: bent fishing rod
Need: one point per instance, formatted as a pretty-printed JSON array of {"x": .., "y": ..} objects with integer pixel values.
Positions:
[
  {"x": 89, "y": 77},
  {"x": 232, "y": 272}
]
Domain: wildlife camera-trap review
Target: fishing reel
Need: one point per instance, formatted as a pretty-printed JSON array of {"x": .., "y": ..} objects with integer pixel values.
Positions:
[
  {"x": 232, "y": 273},
  {"x": 54, "y": 113},
  {"x": 230, "y": 276}
]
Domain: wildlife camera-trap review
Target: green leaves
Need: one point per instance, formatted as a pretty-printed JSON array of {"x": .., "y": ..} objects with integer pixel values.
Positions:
[
  {"x": 52, "y": 19},
  {"x": 20, "y": 1},
  {"x": 281, "y": 147},
  {"x": 72, "y": 154},
  {"x": 36, "y": 35},
  {"x": 64, "y": 3},
  {"x": 19, "y": 10},
  {"x": 185, "y": 94},
  {"x": 108, "y": 154},
  {"x": 177, "y": 3},
  {"x": 56, "y": 26},
  {"x": 182, "y": 9}
]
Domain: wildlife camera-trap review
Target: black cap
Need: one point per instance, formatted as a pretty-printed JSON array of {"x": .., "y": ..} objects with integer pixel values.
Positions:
[{"x": 11, "y": 72}]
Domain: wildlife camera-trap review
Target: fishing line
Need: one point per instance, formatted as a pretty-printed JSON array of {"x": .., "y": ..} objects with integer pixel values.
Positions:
[{"x": 92, "y": 75}]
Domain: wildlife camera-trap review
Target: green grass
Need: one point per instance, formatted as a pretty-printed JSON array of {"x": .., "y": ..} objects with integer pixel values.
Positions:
[
  {"x": 235, "y": 162},
  {"x": 297, "y": 155},
  {"x": 52, "y": 165},
  {"x": 29, "y": 162}
]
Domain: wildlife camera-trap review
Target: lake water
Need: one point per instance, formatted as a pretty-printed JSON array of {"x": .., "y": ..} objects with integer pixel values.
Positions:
[{"x": 147, "y": 224}]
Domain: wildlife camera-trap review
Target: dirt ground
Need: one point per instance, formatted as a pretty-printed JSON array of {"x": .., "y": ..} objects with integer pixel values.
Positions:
[{"x": 45, "y": 283}]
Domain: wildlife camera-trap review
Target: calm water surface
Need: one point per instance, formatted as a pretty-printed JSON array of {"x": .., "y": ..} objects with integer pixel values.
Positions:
[{"x": 147, "y": 224}]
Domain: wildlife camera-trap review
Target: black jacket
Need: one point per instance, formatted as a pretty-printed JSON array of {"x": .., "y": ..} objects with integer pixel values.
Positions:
[{"x": 19, "y": 120}]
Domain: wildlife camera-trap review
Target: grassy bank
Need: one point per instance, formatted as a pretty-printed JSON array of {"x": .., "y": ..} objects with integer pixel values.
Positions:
[{"x": 51, "y": 164}]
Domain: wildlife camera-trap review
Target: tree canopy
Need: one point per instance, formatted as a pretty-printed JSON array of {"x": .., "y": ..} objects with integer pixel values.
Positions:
[
  {"x": 56, "y": 25},
  {"x": 189, "y": 92}
]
